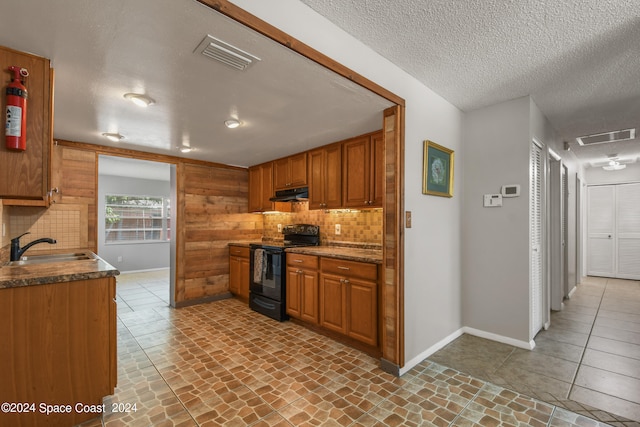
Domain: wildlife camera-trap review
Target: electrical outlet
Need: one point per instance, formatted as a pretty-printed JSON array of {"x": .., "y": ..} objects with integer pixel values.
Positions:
[
  {"x": 338, "y": 229},
  {"x": 279, "y": 228},
  {"x": 408, "y": 219}
]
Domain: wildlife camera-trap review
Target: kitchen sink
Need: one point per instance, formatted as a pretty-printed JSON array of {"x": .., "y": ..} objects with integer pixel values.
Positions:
[{"x": 44, "y": 259}]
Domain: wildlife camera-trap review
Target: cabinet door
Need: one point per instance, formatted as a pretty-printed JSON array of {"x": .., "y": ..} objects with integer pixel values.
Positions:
[
  {"x": 255, "y": 189},
  {"x": 355, "y": 172},
  {"x": 333, "y": 297},
  {"x": 362, "y": 301},
  {"x": 377, "y": 170},
  {"x": 260, "y": 187},
  {"x": 234, "y": 275},
  {"x": 298, "y": 170},
  {"x": 25, "y": 174},
  {"x": 317, "y": 179},
  {"x": 294, "y": 295},
  {"x": 308, "y": 282},
  {"x": 281, "y": 174},
  {"x": 243, "y": 286},
  {"x": 333, "y": 177}
]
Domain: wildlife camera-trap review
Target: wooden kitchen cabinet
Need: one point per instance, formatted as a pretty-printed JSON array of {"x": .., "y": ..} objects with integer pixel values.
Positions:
[
  {"x": 239, "y": 271},
  {"x": 349, "y": 298},
  {"x": 261, "y": 187},
  {"x": 58, "y": 347},
  {"x": 25, "y": 175},
  {"x": 363, "y": 171},
  {"x": 290, "y": 172},
  {"x": 302, "y": 287},
  {"x": 325, "y": 177}
]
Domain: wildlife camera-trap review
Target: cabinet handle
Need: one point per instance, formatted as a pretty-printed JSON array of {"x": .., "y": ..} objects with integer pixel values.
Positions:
[
  {"x": 346, "y": 281},
  {"x": 343, "y": 268},
  {"x": 299, "y": 271},
  {"x": 297, "y": 260}
]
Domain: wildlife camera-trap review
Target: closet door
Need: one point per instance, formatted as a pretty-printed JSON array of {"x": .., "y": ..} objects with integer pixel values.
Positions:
[
  {"x": 536, "y": 275},
  {"x": 628, "y": 231},
  {"x": 601, "y": 230}
]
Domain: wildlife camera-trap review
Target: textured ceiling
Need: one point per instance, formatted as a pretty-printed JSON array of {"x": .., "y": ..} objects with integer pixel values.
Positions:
[
  {"x": 100, "y": 51},
  {"x": 578, "y": 59}
]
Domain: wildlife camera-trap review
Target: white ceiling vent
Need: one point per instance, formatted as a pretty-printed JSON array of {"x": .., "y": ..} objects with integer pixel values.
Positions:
[
  {"x": 229, "y": 55},
  {"x": 601, "y": 138}
]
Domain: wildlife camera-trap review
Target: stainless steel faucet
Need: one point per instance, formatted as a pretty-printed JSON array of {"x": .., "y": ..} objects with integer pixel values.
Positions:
[{"x": 16, "y": 251}]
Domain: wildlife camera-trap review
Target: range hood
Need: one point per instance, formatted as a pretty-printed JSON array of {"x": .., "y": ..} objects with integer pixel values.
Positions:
[{"x": 291, "y": 195}]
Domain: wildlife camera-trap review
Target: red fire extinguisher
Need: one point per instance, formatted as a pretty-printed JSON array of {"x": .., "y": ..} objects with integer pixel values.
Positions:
[{"x": 16, "y": 127}]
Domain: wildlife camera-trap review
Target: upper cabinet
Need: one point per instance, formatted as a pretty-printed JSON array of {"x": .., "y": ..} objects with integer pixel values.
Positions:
[
  {"x": 290, "y": 172},
  {"x": 363, "y": 171},
  {"x": 325, "y": 177},
  {"x": 25, "y": 175},
  {"x": 260, "y": 187}
]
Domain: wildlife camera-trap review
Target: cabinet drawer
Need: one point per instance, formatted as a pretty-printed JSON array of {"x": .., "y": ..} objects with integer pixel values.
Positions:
[
  {"x": 302, "y": 261},
  {"x": 362, "y": 270},
  {"x": 240, "y": 251}
]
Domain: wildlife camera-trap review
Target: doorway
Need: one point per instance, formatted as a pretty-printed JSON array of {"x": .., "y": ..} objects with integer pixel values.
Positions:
[{"x": 135, "y": 228}]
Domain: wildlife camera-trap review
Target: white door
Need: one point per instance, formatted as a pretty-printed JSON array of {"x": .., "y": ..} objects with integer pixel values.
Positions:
[
  {"x": 600, "y": 230},
  {"x": 536, "y": 275},
  {"x": 628, "y": 231},
  {"x": 613, "y": 231}
]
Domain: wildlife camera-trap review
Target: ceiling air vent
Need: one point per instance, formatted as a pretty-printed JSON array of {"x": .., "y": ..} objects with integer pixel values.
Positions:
[
  {"x": 223, "y": 52},
  {"x": 601, "y": 138}
]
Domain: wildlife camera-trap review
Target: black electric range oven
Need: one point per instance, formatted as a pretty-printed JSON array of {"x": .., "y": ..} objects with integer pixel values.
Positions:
[{"x": 268, "y": 269}]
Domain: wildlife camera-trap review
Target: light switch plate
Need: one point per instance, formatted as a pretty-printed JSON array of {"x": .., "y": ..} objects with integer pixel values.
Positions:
[{"x": 338, "y": 229}]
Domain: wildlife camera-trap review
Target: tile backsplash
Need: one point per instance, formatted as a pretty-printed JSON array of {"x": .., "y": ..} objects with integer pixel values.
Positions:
[
  {"x": 60, "y": 222},
  {"x": 357, "y": 226}
]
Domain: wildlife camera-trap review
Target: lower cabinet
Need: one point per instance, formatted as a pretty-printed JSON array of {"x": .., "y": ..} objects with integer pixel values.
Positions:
[
  {"x": 239, "y": 271},
  {"x": 302, "y": 287},
  {"x": 59, "y": 348},
  {"x": 349, "y": 298}
]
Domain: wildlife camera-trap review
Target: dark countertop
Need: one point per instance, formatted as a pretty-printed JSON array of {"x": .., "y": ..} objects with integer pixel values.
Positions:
[
  {"x": 55, "y": 272},
  {"x": 341, "y": 252},
  {"x": 373, "y": 256}
]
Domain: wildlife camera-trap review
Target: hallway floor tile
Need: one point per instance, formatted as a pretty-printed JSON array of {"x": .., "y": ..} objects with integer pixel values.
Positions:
[{"x": 588, "y": 361}]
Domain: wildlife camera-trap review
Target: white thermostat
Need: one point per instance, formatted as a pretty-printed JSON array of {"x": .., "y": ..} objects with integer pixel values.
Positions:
[
  {"x": 512, "y": 190},
  {"x": 492, "y": 200}
]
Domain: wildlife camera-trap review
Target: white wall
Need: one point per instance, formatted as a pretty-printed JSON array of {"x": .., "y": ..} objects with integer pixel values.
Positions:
[
  {"x": 135, "y": 256},
  {"x": 432, "y": 246},
  {"x": 495, "y": 254}
]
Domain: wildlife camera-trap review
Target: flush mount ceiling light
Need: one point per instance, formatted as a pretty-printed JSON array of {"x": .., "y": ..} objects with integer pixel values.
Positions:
[
  {"x": 139, "y": 99},
  {"x": 113, "y": 136},
  {"x": 602, "y": 138},
  {"x": 614, "y": 166},
  {"x": 232, "y": 123},
  {"x": 185, "y": 149}
]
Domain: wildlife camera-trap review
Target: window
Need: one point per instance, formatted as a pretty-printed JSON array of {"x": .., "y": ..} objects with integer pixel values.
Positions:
[{"x": 130, "y": 219}]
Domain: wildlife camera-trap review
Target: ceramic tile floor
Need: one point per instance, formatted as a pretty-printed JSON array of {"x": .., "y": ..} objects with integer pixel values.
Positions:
[
  {"x": 222, "y": 364},
  {"x": 588, "y": 361}
]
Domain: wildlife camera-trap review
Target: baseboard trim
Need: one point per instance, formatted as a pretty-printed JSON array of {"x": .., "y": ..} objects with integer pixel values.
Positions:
[
  {"x": 428, "y": 352},
  {"x": 499, "y": 338},
  {"x": 464, "y": 330},
  {"x": 211, "y": 298}
]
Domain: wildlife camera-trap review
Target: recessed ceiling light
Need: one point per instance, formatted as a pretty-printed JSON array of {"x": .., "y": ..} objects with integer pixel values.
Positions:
[
  {"x": 232, "y": 123},
  {"x": 185, "y": 149},
  {"x": 113, "y": 136},
  {"x": 139, "y": 99}
]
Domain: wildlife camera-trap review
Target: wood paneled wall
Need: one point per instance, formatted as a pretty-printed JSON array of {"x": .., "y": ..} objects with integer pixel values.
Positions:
[{"x": 213, "y": 203}]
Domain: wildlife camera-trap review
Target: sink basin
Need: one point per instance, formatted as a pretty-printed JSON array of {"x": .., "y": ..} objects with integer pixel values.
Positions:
[{"x": 43, "y": 259}]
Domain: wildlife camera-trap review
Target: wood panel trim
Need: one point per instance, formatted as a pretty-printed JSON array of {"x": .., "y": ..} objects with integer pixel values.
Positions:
[
  {"x": 140, "y": 155},
  {"x": 251, "y": 21}
]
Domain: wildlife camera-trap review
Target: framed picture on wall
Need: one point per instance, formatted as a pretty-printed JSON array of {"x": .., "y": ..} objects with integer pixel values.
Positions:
[{"x": 437, "y": 170}]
